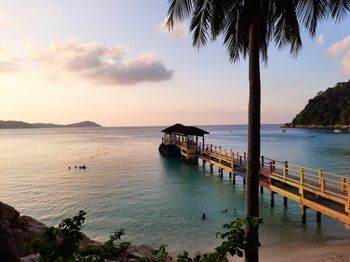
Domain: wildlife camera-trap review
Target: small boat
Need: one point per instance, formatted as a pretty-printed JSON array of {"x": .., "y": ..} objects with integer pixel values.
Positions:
[{"x": 338, "y": 131}]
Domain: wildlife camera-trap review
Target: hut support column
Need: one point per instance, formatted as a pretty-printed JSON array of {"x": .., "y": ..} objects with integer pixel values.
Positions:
[
  {"x": 285, "y": 201},
  {"x": 261, "y": 190},
  {"x": 234, "y": 179}
]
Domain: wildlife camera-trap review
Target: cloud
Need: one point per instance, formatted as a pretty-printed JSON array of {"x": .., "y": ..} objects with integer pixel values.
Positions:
[
  {"x": 338, "y": 47},
  {"x": 8, "y": 62},
  {"x": 8, "y": 67},
  {"x": 320, "y": 40},
  {"x": 345, "y": 62},
  {"x": 100, "y": 64},
  {"x": 180, "y": 30},
  {"x": 297, "y": 82}
]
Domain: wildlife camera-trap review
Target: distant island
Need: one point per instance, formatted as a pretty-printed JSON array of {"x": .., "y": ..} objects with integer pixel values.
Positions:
[
  {"x": 328, "y": 109},
  {"x": 19, "y": 124}
]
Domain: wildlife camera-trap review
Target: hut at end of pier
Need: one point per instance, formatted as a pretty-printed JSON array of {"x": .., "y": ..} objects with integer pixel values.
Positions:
[{"x": 180, "y": 140}]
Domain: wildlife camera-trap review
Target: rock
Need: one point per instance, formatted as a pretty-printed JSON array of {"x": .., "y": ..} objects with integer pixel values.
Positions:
[
  {"x": 30, "y": 258},
  {"x": 141, "y": 253},
  {"x": 16, "y": 233},
  {"x": 87, "y": 242}
]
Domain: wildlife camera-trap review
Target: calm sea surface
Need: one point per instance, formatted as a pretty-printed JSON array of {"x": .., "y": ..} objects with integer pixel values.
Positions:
[{"x": 128, "y": 185}]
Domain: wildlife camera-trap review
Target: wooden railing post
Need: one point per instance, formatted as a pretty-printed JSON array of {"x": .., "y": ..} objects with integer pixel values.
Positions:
[
  {"x": 262, "y": 161},
  {"x": 301, "y": 189},
  {"x": 286, "y": 167},
  {"x": 271, "y": 168},
  {"x": 220, "y": 150},
  {"x": 323, "y": 184},
  {"x": 320, "y": 175},
  {"x": 343, "y": 182},
  {"x": 245, "y": 157},
  {"x": 348, "y": 204},
  {"x": 226, "y": 152}
]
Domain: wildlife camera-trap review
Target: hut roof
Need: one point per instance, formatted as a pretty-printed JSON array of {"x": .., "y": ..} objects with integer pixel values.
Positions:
[{"x": 185, "y": 130}]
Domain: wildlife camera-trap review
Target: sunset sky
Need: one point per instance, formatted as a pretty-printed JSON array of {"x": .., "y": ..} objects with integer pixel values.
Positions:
[{"x": 113, "y": 62}]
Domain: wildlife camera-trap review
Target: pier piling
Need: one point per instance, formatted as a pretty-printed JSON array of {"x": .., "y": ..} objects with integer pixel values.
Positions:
[
  {"x": 303, "y": 215},
  {"x": 318, "y": 216},
  {"x": 272, "y": 202}
]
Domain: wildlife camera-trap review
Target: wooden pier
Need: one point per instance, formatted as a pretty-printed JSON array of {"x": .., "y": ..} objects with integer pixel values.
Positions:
[{"x": 324, "y": 192}]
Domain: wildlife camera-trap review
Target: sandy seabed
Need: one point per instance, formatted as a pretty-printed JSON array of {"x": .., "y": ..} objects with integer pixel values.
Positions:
[{"x": 332, "y": 251}]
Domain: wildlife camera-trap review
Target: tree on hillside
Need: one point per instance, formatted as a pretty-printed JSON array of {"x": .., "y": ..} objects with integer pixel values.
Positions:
[{"x": 247, "y": 27}]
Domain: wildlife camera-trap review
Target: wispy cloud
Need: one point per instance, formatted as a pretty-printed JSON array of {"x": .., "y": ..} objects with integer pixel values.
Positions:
[
  {"x": 345, "y": 62},
  {"x": 100, "y": 64},
  {"x": 320, "y": 39},
  {"x": 180, "y": 30},
  {"x": 8, "y": 67},
  {"x": 338, "y": 47},
  {"x": 9, "y": 63}
]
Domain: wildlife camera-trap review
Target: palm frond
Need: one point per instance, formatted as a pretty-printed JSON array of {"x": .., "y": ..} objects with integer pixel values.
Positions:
[
  {"x": 286, "y": 26},
  {"x": 178, "y": 10},
  {"x": 200, "y": 24},
  {"x": 311, "y": 12},
  {"x": 339, "y": 9}
]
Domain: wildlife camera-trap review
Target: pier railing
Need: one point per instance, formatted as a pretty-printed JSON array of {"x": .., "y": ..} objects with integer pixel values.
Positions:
[{"x": 321, "y": 183}]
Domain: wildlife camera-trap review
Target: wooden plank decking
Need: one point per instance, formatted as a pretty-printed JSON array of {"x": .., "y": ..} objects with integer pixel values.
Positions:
[{"x": 326, "y": 193}]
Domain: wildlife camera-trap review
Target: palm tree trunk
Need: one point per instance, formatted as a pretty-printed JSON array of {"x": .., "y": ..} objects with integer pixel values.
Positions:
[{"x": 252, "y": 200}]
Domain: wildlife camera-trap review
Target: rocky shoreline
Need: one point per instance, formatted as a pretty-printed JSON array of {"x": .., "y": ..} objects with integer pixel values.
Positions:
[{"x": 17, "y": 233}]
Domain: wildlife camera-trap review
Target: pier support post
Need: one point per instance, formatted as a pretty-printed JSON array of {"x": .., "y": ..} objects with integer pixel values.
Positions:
[
  {"x": 234, "y": 179},
  {"x": 318, "y": 217},
  {"x": 285, "y": 201},
  {"x": 243, "y": 181},
  {"x": 303, "y": 215},
  {"x": 230, "y": 174},
  {"x": 261, "y": 190},
  {"x": 221, "y": 171},
  {"x": 211, "y": 168},
  {"x": 272, "y": 202},
  {"x": 203, "y": 163}
]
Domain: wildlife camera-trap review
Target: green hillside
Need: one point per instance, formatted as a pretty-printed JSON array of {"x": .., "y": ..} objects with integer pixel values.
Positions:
[{"x": 328, "y": 108}]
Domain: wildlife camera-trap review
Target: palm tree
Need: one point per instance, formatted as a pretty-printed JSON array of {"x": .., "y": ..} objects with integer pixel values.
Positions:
[{"x": 247, "y": 27}]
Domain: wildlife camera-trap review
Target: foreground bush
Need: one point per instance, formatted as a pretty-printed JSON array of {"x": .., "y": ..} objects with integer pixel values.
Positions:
[{"x": 61, "y": 244}]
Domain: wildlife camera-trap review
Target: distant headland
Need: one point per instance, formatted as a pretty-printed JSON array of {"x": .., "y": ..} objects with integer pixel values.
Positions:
[
  {"x": 19, "y": 124},
  {"x": 328, "y": 109}
]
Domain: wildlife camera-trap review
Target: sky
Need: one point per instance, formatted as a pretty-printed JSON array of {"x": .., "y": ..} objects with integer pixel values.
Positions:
[{"x": 114, "y": 62}]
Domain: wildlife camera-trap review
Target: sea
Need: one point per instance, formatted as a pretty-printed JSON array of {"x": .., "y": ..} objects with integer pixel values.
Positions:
[{"x": 157, "y": 200}]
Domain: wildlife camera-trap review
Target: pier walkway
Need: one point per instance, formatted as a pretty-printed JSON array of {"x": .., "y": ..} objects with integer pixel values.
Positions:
[{"x": 324, "y": 192}]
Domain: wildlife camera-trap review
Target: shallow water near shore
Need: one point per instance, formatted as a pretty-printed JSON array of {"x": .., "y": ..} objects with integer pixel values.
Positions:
[{"x": 128, "y": 185}]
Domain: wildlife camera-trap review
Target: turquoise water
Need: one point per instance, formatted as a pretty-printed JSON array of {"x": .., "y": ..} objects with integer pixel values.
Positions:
[{"x": 128, "y": 185}]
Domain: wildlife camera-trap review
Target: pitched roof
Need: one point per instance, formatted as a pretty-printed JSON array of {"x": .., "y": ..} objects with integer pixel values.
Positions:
[{"x": 185, "y": 130}]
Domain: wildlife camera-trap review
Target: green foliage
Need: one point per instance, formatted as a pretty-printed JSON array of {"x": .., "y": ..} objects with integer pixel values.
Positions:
[
  {"x": 328, "y": 108},
  {"x": 234, "y": 241},
  {"x": 61, "y": 244},
  {"x": 161, "y": 254}
]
